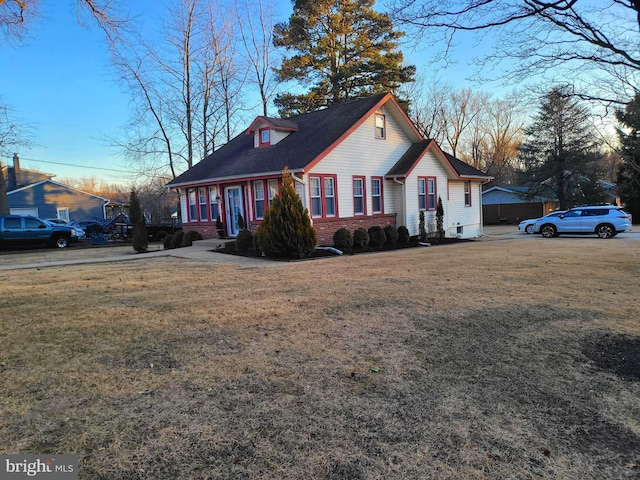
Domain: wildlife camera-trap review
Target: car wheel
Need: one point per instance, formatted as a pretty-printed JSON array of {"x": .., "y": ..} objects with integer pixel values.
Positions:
[
  {"x": 548, "y": 231},
  {"x": 529, "y": 229},
  {"x": 61, "y": 242},
  {"x": 605, "y": 231}
]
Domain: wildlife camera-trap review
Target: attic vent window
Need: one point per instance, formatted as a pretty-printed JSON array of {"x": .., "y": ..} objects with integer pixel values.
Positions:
[
  {"x": 265, "y": 137},
  {"x": 380, "y": 126}
]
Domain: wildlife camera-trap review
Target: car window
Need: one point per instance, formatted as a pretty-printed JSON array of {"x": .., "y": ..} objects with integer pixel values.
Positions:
[
  {"x": 573, "y": 213},
  {"x": 33, "y": 223},
  {"x": 12, "y": 223}
]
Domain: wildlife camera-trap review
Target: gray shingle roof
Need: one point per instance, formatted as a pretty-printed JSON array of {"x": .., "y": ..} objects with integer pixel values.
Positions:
[{"x": 316, "y": 132}]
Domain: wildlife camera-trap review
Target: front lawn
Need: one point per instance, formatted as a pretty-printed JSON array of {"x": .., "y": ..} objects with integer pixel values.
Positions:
[{"x": 487, "y": 359}]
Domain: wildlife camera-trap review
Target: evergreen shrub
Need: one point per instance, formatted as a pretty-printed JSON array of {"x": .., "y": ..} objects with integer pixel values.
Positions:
[
  {"x": 403, "y": 234},
  {"x": 244, "y": 240},
  {"x": 342, "y": 239},
  {"x": 377, "y": 237},
  {"x": 166, "y": 242},
  {"x": 392, "y": 234},
  {"x": 286, "y": 231},
  {"x": 360, "y": 238},
  {"x": 176, "y": 241}
]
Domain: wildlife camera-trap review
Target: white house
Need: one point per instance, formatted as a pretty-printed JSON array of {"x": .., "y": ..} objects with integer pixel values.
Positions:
[{"x": 357, "y": 164}]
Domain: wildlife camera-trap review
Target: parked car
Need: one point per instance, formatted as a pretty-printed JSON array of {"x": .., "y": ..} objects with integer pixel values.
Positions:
[
  {"x": 89, "y": 226},
  {"x": 80, "y": 233},
  {"x": 527, "y": 226},
  {"x": 606, "y": 221},
  {"x": 20, "y": 230}
]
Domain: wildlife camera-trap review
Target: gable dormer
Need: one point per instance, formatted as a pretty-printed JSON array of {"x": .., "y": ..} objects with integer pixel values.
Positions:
[{"x": 269, "y": 131}]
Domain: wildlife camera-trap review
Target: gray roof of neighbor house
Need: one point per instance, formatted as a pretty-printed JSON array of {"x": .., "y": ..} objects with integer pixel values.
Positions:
[{"x": 316, "y": 132}]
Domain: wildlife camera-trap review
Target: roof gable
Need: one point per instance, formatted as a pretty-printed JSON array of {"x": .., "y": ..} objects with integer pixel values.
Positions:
[{"x": 317, "y": 134}]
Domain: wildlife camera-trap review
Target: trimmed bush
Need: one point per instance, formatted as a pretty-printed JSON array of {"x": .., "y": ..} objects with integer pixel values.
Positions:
[
  {"x": 140, "y": 236},
  {"x": 360, "y": 238},
  {"x": 244, "y": 240},
  {"x": 166, "y": 242},
  {"x": 377, "y": 237},
  {"x": 391, "y": 234},
  {"x": 176, "y": 241},
  {"x": 342, "y": 239},
  {"x": 286, "y": 231},
  {"x": 189, "y": 237},
  {"x": 403, "y": 234}
]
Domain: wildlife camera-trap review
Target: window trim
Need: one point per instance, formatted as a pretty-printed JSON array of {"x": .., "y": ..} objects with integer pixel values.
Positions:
[
  {"x": 467, "y": 193},
  {"x": 428, "y": 195},
  {"x": 192, "y": 198},
  {"x": 323, "y": 197},
  {"x": 381, "y": 195},
  {"x": 256, "y": 212},
  {"x": 270, "y": 196},
  {"x": 203, "y": 201},
  {"x": 214, "y": 200},
  {"x": 260, "y": 132},
  {"x": 363, "y": 194},
  {"x": 377, "y": 116}
]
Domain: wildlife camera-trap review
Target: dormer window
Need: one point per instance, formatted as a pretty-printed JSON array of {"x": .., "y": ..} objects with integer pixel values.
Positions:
[
  {"x": 381, "y": 130},
  {"x": 265, "y": 137}
]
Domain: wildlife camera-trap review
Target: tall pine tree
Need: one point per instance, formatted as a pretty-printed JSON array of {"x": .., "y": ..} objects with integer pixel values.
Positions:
[
  {"x": 560, "y": 156},
  {"x": 629, "y": 172},
  {"x": 344, "y": 48}
]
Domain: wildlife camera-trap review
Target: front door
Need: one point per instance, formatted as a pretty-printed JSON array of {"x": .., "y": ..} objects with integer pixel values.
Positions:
[{"x": 234, "y": 209}]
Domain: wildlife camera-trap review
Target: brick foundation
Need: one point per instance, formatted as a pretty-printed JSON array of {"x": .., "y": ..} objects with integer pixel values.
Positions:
[{"x": 325, "y": 228}]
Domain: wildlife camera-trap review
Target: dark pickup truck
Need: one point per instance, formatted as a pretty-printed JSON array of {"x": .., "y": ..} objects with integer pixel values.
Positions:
[{"x": 19, "y": 230}]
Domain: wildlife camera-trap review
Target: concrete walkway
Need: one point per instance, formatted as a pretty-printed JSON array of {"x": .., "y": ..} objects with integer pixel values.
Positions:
[{"x": 200, "y": 251}]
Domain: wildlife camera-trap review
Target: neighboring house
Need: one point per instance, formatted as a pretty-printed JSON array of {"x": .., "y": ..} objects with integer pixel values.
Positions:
[
  {"x": 357, "y": 164},
  {"x": 510, "y": 204},
  {"x": 34, "y": 193}
]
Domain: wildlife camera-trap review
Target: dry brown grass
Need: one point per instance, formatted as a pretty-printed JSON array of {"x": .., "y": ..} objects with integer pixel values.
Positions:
[{"x": 464, "y": 361}]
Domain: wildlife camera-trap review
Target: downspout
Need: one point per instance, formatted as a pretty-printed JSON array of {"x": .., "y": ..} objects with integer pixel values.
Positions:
[{"x": 404, "y": 202}]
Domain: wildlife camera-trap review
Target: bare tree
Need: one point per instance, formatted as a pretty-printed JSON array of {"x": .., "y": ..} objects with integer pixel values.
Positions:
[
  {"x": 13, "y": 135},
  {"x": 16, "y": 14},
  {"x": 256, "y": 25},
  {"x": 427, "y": 107},
  {"x": 184, "y": 88},
  {"x": 544, "y": 36}
]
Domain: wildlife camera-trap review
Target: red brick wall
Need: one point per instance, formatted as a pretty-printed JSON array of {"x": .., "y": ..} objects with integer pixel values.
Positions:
[
  {"x": 325, "y": 228},
  {"x": 207, "y": 230}
]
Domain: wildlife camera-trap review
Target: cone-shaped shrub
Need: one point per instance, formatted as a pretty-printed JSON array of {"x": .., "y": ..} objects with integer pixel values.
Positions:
[
  {"x": 140, "y": 236},
  {"x": 244, "y": 240},
  {"x": 286, "y": 230}
]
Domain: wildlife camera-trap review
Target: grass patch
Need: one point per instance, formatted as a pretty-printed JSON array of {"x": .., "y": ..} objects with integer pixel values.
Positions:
[{"x": 480, "y": 360}]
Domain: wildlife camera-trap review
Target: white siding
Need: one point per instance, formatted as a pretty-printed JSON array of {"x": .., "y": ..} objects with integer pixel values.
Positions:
[
  {"x": 460, "y": 215},
  {"x": 277, "y": 135},
  {"x": 362, "y": 154},
  {"x": 429, "y": 166}
]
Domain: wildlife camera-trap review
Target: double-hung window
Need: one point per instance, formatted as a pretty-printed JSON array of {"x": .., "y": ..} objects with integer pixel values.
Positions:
[
  {"x": 467, "y": 193},
  {"x": 358, "y": 196},
  {"x": 213, "y": 203},
  {"x": 202, "y": 203},
  {"x": 376, "y": 195},
  {"x": 329, "y": 197},
  {"x": 258, "y": 199},
  {"x": 272, "y": 190},
  {"x": 323, "y": 196},
  {"x": 193, "y": 209},
  {"x": 381, "y": 130},
  {"x": 427, "y": 193},
  {"x": 265, "y": 137}
]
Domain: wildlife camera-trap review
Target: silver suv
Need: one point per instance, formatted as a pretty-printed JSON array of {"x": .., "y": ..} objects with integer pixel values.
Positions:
[{"x": 606, "y": 221}]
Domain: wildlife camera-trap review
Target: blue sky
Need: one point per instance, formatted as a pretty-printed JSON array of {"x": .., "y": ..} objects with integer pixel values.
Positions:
[{"x": 61, "y": 84}]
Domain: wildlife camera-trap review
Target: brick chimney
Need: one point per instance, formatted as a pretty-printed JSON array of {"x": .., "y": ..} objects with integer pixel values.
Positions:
[{"x": 16, "y": 171}]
